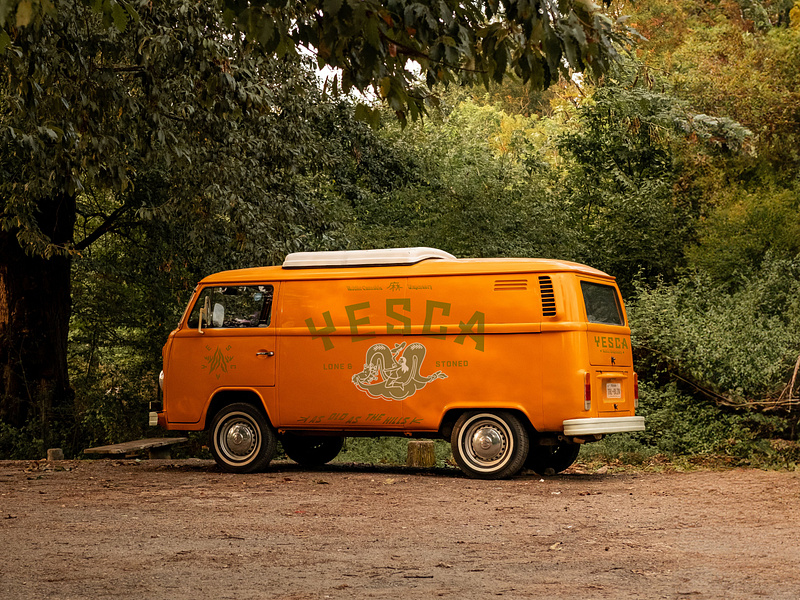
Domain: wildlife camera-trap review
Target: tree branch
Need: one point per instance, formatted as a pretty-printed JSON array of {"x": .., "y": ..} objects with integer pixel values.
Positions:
[{"x": 106, "y": 226}]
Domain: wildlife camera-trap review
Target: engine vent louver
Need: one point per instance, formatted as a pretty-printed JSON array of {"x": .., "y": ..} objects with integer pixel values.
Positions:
[
  {"x": 511, "y": 285},
  {"x": 548, "y": 296}
]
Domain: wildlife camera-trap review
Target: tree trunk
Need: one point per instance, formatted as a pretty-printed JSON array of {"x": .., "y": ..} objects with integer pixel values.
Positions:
[
  {"x": 421, "y": 453},
  {"x": 35, "y": 306}
]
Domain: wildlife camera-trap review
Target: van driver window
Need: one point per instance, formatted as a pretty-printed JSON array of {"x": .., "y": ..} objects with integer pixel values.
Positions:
[
  {"x": 233, "y": 307},
  {"x": 602, "y": 304}
]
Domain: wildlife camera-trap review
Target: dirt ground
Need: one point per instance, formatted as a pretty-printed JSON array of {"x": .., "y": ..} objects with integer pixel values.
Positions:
[{"x": 184, "y": 530}]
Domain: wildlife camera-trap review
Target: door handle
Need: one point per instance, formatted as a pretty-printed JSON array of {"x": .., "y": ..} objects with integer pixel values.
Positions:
[{"x": 265, "y": 353}]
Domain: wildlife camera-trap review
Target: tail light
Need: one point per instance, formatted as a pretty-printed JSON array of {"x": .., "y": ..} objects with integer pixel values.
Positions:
[
  {"x": 635, "y": 390},
  {"x": 587, "y": 391}
]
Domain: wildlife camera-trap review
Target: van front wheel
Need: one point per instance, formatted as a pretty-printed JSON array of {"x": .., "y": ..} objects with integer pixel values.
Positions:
[
  {"x": 489, "y": 445},
  {"x": 242, "y": 440},
  {"x": 311, "y": 450}
]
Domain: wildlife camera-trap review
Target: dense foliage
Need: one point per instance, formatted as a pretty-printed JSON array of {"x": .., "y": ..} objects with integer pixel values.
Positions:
[
  {"x": 170, "y": 140},
  {"x": 677, "y": 172},
  {"x": 397, "y": 48}
]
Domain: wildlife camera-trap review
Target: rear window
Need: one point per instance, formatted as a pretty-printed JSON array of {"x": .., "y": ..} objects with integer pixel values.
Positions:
[{"x": 602, "y": 303}]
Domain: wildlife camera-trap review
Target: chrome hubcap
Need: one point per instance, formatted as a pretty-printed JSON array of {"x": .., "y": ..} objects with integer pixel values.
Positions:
[
  {"x": 487, "y": 443},
  {"x": 237, "y": 438},
  {"x": 240, "y": 439}
]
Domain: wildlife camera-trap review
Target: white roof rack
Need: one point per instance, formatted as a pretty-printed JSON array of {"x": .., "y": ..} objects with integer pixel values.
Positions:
[{"x": 363, "y": 258}]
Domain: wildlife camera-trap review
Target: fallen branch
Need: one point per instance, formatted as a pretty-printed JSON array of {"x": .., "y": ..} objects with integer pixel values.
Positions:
[
  {"x": 788, "y": 391},
  {"x": 787, "y": 399}
]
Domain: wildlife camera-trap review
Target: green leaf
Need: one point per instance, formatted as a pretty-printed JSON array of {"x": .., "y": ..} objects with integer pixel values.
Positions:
[
  {"x": 500, "y": 64},
  {"x": 132, "y": 12},
  {"x": 266, "y": 31},
  {"x": 24, "y": 13},
  {"x": 120, "y": 17},
  {"x": 5, "y": 40},
  {"x": 371, "y": 34},
  {"x": 385, "y": 87},
  {"x": 362, "y": 112},
  {"x": 331, "y": 7},
  {"x": 375, "y": 118}
]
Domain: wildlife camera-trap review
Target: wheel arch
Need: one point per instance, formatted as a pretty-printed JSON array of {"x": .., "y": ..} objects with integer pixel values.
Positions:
[
  {"x": 451, "y": 416},
  {"x": 223, "y": 398}
]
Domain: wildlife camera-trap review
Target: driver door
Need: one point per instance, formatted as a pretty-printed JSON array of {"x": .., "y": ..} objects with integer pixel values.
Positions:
[{"x": 233, "y": 348}]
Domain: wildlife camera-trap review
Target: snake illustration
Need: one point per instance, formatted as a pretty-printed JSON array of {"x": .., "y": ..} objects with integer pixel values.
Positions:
[{"x": 393, "y": 373}]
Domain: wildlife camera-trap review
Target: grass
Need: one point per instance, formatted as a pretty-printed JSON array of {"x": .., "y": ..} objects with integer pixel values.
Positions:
[
  {"x": 617, "y": 452},
  {"x": 386, "y": 451}
]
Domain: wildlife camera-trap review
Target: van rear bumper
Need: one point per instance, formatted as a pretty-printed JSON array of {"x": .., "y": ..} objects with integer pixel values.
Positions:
[{"x": 603, "y": 425}]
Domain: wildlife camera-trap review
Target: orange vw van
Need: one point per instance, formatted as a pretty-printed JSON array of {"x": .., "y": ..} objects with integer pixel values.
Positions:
[{"x": 515, "y": 361}]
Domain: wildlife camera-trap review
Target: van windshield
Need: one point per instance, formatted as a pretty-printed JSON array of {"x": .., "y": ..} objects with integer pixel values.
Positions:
[{"x": 602, "y": 304}]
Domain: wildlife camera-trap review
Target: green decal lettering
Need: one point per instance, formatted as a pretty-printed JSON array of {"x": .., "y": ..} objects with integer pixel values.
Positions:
[
  {"x": 477, "y": 322},
  {"x": 324, "y": 332},
  {"x": 624, "y": 344},
  {"x": 597, "y": 341},
  {"x": 354, "y": 323},
  {"x": 430, "y": 305},
  {"x": 604, "y": 342},
  {"x": 405, "y": 303}
]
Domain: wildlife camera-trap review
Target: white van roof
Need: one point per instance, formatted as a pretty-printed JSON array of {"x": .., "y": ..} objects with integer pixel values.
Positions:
[
  {"x": 364, "y": 258},
  {"x": 443, "y": 264}
]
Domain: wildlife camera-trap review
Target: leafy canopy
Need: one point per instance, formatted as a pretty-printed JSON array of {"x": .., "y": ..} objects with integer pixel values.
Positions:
[
  {"x": 175, "y": 117},
  {"x": 387, "y": 46}
]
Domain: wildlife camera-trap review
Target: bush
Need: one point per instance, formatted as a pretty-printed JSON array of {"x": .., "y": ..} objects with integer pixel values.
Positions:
[
  {"x": 740, "y": 346},
  {"x": 682, "y": 425},
  {"x": 21, "y": 443}
]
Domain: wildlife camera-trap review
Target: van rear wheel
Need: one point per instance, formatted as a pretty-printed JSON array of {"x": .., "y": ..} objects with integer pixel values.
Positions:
[
  {"x": 489, "y": 445},
  {"x": 242, "y": 439},
  {"x": 557, "y": 458},
  {"x": 311, "y": 450}
]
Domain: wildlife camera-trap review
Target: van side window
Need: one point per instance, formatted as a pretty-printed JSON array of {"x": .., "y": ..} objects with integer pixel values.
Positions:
[
  {"x": 602, "y": 304},
  {"x": 234, "y": 306}
]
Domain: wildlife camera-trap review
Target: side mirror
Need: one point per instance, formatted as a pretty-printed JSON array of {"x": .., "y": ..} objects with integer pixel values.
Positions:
[{"x": 218, "y": 316}]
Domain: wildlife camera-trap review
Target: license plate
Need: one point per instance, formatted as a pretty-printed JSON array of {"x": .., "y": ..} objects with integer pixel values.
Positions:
[{"x": 613, "y": 390}]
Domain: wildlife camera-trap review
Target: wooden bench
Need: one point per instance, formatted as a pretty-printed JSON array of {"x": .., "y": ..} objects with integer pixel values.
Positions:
[{"x": 156, "y": 447}]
